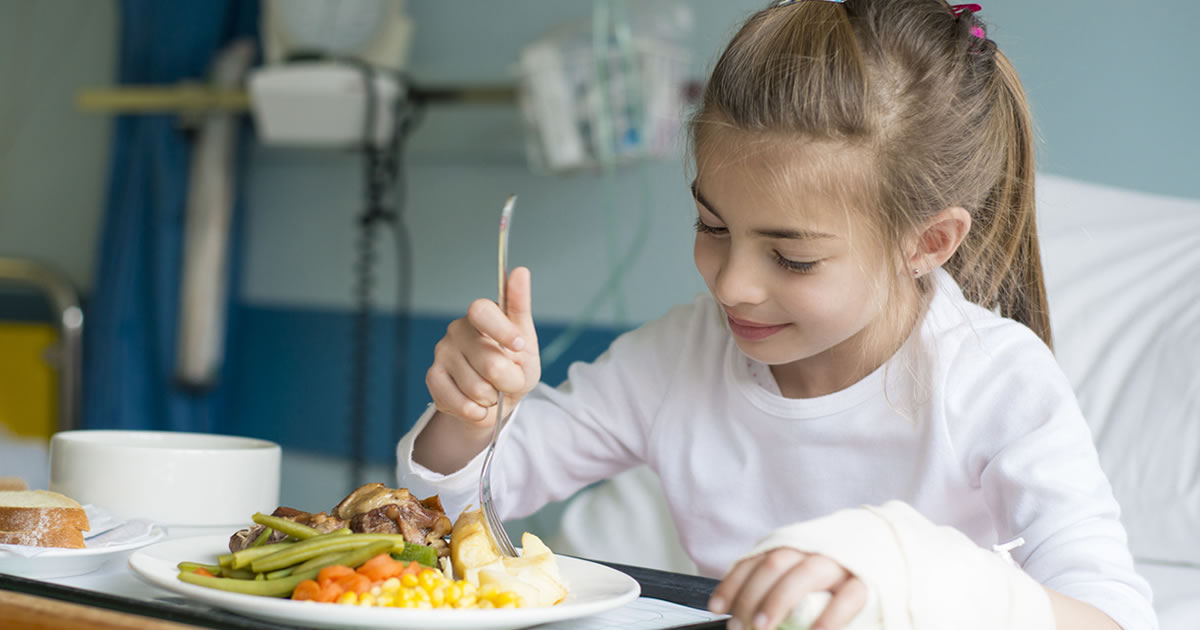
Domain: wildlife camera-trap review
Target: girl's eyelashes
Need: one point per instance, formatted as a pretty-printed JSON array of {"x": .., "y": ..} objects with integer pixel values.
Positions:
[
  {"x": 704, "y": 228},
  {"x": 799, "y": 266}
]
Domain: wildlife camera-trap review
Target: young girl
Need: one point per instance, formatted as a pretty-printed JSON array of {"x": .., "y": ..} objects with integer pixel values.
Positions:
[{"x": 877, "y": 331}]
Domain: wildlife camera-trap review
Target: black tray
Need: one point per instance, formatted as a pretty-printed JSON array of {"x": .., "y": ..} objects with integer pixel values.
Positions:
[{"x": 688, "y": 590}]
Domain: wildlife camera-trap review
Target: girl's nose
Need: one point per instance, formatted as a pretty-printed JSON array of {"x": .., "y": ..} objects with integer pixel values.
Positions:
[{"x": 739, "y": 281}]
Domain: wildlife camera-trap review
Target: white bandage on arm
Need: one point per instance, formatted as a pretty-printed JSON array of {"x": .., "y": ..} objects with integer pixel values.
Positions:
[{"x": 919, "y": 576}]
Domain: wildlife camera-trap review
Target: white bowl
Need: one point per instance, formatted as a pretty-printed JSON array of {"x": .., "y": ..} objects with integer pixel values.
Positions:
[{"x": 174, "y": 478}]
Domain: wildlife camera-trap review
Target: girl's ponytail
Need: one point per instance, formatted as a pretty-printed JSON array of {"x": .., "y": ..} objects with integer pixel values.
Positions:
[{"x": 1000, "y": 265}]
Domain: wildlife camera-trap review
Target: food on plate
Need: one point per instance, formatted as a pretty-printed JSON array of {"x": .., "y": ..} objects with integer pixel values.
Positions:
[
  {"x": 381, "y": 546},
  {"x": 41, "y": 518},
  {"x": 372, "y": 508},
  {"x": 533, "y": 576},
  {"x": 385, "y": 582},
  {"x": 471, "y": 546}
]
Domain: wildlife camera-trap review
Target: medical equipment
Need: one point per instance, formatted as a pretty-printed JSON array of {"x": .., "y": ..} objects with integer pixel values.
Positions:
[
  {"x": 333, "y": 79},
  {"x": 607, "y": 90}
]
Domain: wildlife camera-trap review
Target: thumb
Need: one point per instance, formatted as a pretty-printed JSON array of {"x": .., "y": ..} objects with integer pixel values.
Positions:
[{"x": 519, "y": 305}]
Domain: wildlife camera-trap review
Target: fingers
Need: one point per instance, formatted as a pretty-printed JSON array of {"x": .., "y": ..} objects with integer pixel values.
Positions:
[
  {"x": 814, "y": 574},
  {"x": 848, "y": 600},
  {"x": 727, "y": 590},
  {"x": 486, "y": 318},
  {"x": 449, "y": 398},
  {"x": 520, "y": 309},
  {"x": 760, "y": 592},
  {"x": 486, "y": 352}
]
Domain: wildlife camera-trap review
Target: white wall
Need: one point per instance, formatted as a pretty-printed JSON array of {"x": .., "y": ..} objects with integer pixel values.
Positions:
[{"x": 53, "y": 158}]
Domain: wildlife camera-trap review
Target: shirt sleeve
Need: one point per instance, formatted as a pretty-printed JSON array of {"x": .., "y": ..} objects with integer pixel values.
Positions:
[
  {"x": 1026, "y": 444},
  {"x": 559, "y": 440}
]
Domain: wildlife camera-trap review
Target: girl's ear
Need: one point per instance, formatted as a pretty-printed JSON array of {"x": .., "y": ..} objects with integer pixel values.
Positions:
[{"x": 939, "y": 239}]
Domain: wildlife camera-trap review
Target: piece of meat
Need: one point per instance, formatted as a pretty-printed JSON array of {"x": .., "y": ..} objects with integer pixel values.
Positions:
[
  {"x": 369, "y": 497},
  {"x": 422, "y": 522},
  {"x": 381, "y": 520}
]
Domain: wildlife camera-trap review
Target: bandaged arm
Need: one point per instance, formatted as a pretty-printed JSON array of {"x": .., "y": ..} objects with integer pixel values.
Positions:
[{"x": 919, "y": 576}]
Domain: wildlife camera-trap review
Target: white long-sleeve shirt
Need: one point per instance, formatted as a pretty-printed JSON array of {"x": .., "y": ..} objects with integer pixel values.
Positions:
[{"x": 972, "y": 423}]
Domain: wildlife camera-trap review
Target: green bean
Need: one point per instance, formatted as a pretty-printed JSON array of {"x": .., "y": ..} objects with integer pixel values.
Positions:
[
  {"x": 282, "y": 587},
  {"x": 268, "y": 588},
  {"x": 357, "y": 557},
  {"x": 262, "y": 538},
  {"x": 274, "y": 575},
  {"x": 241, "y": 574},
  {"x": 242, "y": 559},
  {"x": 291, "y": 528},
  {"x": 313, "y": 547},
  {"x": 214, "y": 569},
  {"x": 318, "y": 561}
]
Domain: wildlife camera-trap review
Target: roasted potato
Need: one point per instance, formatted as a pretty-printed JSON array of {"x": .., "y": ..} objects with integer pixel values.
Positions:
[{"x": 534, "y": 576}]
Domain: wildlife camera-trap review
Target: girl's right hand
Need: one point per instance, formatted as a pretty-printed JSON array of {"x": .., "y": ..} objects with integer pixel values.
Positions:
[{"x": 486, "y": 352}]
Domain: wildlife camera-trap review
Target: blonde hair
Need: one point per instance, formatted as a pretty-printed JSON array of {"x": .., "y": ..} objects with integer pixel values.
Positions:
[{"x": 936, "y": 107}]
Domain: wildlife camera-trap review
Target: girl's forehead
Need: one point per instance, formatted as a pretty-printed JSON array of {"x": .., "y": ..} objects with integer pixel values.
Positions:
[{"x": 801, "y": 179}]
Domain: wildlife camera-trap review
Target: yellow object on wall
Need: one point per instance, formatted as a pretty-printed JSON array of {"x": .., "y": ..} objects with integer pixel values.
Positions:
[{"x": 27, "y": 382}]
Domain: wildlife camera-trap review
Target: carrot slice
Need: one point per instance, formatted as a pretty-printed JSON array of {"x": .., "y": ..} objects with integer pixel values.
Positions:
[
  {"x": 330, "y": 592},
  {"x": 356, "y": 582},
  {"x": 308, "y": 589},
  {"x": 381, "y": 567},
  {"x": 332, "y": 573}
]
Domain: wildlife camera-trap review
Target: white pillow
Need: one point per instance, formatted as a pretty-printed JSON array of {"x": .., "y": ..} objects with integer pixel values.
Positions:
[{"x": 1123, "y": 280}]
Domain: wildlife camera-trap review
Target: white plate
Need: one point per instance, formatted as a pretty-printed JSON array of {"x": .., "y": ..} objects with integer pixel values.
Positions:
[
  {"x": 591, "y": 588},
  {"x": 56, "y": 562}
]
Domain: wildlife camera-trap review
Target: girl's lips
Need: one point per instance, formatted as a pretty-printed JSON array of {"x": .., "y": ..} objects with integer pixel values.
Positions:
[{"x": 751, "y": 330}]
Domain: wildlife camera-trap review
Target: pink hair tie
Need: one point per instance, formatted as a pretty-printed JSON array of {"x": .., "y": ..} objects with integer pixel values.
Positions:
[{"x": 958, "y": 9}]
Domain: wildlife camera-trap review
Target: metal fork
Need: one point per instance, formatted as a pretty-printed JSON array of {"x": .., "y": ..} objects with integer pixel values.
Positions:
[{"x": 495, "y": 526}]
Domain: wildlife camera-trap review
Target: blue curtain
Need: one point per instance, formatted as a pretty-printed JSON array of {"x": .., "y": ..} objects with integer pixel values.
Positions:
[{"x": 132, "y": 313}]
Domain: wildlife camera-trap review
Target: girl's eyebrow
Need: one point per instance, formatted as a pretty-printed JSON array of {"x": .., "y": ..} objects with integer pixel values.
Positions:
[{"x": 787, "y": 233}]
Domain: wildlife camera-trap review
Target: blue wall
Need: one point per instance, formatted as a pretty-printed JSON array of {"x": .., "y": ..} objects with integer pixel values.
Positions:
[{"x": 294, "y": 376}]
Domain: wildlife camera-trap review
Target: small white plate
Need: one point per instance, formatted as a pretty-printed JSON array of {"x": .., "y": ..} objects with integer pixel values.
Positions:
[
  {"x": 56, "y": 562},
  {"x": 591, "y": 588}
]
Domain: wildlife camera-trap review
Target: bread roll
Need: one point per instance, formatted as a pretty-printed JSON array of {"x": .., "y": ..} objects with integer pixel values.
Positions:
[{"x": 41, "y": 518}]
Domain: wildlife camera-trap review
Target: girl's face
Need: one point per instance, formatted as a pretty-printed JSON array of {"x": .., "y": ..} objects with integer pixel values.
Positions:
[{"x": 802, "y": 281}]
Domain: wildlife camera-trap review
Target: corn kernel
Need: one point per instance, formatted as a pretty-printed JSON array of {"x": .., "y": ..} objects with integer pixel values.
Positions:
[
  {"x": 367, "y": 599},
  {"x": 349, "y": 597},
  {"x": 409, "y": 580},
  {"x": 428, "y": 578},
  {"x": 453, "y": 593}
]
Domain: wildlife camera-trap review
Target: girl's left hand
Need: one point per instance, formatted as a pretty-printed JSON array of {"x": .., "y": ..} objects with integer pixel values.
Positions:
[{"x": 761, "y": 591}]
